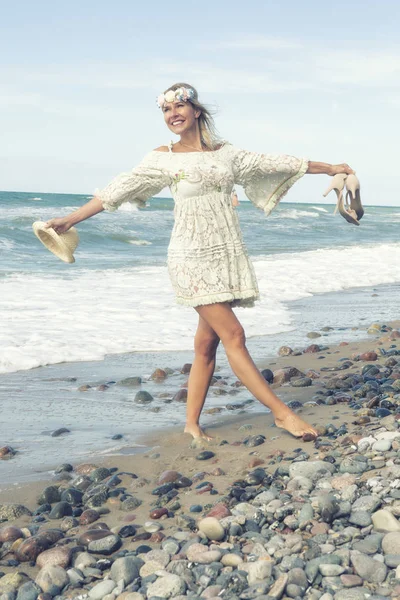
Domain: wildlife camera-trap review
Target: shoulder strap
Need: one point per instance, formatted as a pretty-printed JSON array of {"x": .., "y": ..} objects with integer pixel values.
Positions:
[{"x": 170, "y": 146}]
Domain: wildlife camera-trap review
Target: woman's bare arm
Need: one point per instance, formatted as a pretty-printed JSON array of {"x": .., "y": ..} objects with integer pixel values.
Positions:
[
  {"x": 62, "y": 224},
  {"x": 320, "y": 168}
]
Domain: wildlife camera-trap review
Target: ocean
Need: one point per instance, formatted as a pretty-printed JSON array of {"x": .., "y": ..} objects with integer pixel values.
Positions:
[{"x": 112, "y": 313}]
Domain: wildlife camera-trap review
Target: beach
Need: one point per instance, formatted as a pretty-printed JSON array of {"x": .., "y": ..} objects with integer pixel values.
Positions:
[
  {"x": 255, "y": 513},
  {"x": 103, "y": 496}
]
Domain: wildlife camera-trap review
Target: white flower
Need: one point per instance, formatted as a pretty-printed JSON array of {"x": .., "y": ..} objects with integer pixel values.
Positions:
[{"x": 169, "y": 96}]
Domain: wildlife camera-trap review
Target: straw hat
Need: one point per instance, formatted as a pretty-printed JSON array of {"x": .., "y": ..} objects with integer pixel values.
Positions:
[{"x": 62, "y": 245}]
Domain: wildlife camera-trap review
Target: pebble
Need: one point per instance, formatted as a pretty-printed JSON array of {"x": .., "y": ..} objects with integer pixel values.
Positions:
[
  {"x": 101, "y": 589},
  {"x": 52, "y": 579},
  {"x": 106, "y": 545},
  {"x": 212, "y": 528},
  {"x": 205, "y": 455}
]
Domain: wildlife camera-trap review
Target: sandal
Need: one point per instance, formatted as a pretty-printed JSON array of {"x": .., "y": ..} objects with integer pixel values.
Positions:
[
  {"x": 346, "y": 211},
  {"x": 353, "y": 191}
]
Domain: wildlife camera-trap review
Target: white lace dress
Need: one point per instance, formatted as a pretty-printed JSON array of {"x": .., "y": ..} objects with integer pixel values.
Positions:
[{"x": 207, "y": 258}]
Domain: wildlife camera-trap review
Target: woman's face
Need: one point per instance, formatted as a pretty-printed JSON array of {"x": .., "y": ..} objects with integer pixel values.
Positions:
[{"x": 180, "y": 117}]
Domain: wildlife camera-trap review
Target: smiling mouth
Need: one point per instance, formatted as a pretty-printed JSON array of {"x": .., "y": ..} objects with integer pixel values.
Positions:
[{"x": 180, "y": 122}]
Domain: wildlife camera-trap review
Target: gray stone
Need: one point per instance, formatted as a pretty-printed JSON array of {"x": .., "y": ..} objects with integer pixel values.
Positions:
[
  {"x": 310, "y": 469},
  {"x": 101, "y": 589},
  {"x": 392, "y": 560},
  {"x": 167, "y": 586},
  {"x": 391, "y": 543},
  {"x": 11, "y": 511},
  {"x": 362, "y": 518},
  {"x": 331, "y": 570},
  {"x": 130, "y": 503},
  {"x": 350, "y": 465},
  {"x": 305, "y": 515},
  {"x": 298, "y": 577},
  {"x": 143, "y": 398},
  {"x": 366, "y": 503},
  {"x": 28, "y": 591},
  {"x": 369, "y": 569},
  {"x": 124, "y": 569},
  {"x": 106, "y": 545},
  {"x": 52, "y": 579},
  {"x": 369, "y": 545},
  {"x": 358, "y": 593},
  {"x": 312, "y": 567}
]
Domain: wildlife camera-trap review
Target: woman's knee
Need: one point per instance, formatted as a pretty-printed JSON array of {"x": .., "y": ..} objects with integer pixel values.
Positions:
[
  {"x": 234, "y": 337},
  {"x": 206, "y": 346}
]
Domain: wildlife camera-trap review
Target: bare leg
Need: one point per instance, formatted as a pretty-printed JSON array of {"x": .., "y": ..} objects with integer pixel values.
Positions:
[
  {"x": 205, "y": 347},
  {"x": 221, "y": 318}
]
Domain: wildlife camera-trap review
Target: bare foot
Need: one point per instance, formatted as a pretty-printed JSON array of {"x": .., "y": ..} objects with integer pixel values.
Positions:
[
  {"x": 197, "y": 432},
  {"x": 296, "y": 426}
]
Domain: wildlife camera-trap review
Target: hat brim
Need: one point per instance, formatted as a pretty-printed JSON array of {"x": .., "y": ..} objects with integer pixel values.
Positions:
[{"x": 53, "y": 241}]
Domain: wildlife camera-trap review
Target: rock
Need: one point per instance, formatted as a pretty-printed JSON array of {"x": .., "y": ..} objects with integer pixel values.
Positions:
[
  {"x": 391, "y": 543},
  {"x": 29, "y": 549},
  {"x": 383, "y": 520},
  {"x": 10, "y": 534},
  {"x": 367, "y": 568},
  {"x": 350, "y": 465},
  {"x": 350, "y": 581},
  {"x": 158, "y": 375},
  {"x": 7, "y": 452},
  {"x": 352, "y": 594},
  {"x": 313, "y": 334},
  {"x": 301, "y": 382},
  {"x": 368, "y": 356},
  {"x": 231, "y": 560},
  {"x": 286, "y": 374},
  {"x": 219, "y": 511},
  {"x": 331, "y": 570},
  {"x": 106, "y": 545},
  {"x": 312, "y": 349},
  {"x": 58, "y": 556},
  {"x": 52, "y": 580},
  {"x": 212, "y": 528},
  {"x": 167, "y": 586},
  {"x": 199, "y": 553},
  {"x": 130, "y": 381},
  {"x": 205, "y": 455},
  {"x": 168, "y": 477},
  {"x": 257, "y": 571},
  {"x": 50, "y": 495},
  {"x": 254, "y": 440},
  {"x": 130, "y": 503},
  {"x": 60, "y": 510},
  {"x": 101, "y": 589},
  {"x": 268, "y": 375},
  {"x": 285, "y": 351},
  {"x": 181, "y": 395},
  {"x": 10, "y": 511},
  {"x": 278, "y": 587},
  {"x": 157, "y": 513},
  {"x": 28, "y": 591},
  {"x": 89, "y": 516},
  {"x": 60, "y": 431},
  {"x": 150, "y": 567},
  {"x": 91, "y": 535},
  {"x": 310, "y": 469},
  {"x": 143, "y": 397}
]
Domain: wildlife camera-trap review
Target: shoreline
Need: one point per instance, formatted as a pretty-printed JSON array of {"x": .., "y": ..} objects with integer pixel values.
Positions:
[
  {"x": 253, "y": 511},
  {"x": 219, "y": 419}
]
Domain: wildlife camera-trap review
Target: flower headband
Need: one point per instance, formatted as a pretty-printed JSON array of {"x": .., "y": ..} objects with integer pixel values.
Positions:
[{"x": 182, "y": 94}]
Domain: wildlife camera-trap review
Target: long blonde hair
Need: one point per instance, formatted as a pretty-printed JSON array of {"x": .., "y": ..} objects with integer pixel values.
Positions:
[{"x": 208, "y": 132}]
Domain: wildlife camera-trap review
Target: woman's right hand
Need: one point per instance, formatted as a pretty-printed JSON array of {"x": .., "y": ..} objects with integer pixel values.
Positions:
[{"x": 59, "y": 224}]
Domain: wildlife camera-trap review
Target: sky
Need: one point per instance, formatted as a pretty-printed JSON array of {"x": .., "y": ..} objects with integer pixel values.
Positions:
[{"x": 78, "y": 83}]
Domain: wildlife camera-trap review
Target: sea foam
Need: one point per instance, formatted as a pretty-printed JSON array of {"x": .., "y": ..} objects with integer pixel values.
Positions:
[{"x": 51, "y": 319}]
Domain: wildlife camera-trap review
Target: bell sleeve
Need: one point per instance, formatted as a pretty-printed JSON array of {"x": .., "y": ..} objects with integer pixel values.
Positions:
[
  {"x": 266, "y": 178},
  {"x": 137, "y": 186}
]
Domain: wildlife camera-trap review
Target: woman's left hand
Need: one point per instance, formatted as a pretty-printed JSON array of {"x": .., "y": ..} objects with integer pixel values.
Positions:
[{"x": 343, "y": 168}]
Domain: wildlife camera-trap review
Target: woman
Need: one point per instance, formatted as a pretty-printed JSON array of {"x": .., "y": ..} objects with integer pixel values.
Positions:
[{"x": 207, "y": 259}]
